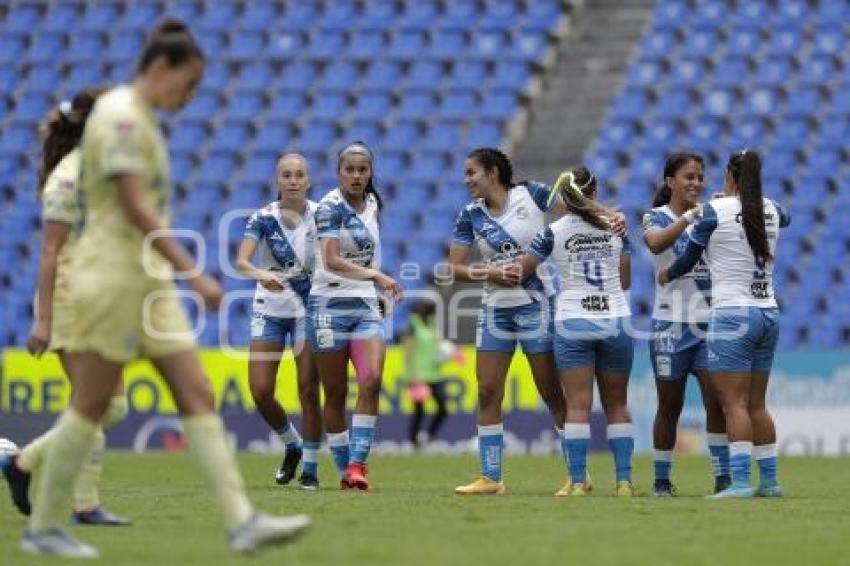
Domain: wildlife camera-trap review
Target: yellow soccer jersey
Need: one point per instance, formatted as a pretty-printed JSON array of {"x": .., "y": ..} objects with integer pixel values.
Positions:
[
  {"x": 122, "y": 136},
  {"x": 61, "y": 203}
]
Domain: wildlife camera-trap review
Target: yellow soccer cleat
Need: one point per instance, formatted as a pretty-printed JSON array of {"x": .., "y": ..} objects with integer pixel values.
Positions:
[
  {"x": 625, "y": 489},
  {"x": 481, "y": 486},
  {"x": 587, "y": 487}
]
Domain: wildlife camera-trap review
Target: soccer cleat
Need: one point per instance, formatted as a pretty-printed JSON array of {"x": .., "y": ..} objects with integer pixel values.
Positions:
[
  {"x": 481, "y": 486},
  {"x": 308, "y": 482},
  {"x": 263, "y": 530},
  {"x": 625, "y": 489},
  {"x": 19, "y": 485},
  {"x": 355, "y": 477},
  {"x": 586, "y": 487},
  {"x": 735, "y": 492},
  {"x": 57, "y": 542},
  {"x": 289, "y": 465},
  {"x": 721, "y": 483},
  {"x": 769, "y": 491},
  {"x": 99, "y": 516},
  {"x": 663, "y": 488}
]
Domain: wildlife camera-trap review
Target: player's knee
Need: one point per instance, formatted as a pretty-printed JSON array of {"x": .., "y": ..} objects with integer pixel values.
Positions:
[
  {"x": 488, "y": 396},
  {"x": 308, "y": 393},
  {"x": 262, "y": 393}
]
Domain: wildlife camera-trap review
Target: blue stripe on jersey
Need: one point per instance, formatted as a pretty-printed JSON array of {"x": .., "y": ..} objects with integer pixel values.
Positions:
[
  {"x": 462, "y": 233},
  {"x": 654, "y": 219},
  {"x": 627, "y": 246},
  {"x": 784, "y": 215},
  {"x": 705, "y": 227},
  {"x": 539, "y": 194},
  {"x": 331, "y": 218},
  {"x": 265, "y": 227},
  {"x": 542, "y": 244}
]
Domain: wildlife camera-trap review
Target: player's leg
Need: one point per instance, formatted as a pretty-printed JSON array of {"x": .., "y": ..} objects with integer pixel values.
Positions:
[
  {"x": 416, "y": 424},
  {"x": 670, "y": 385},
  {"x": 715, "y": 427},
  {"x": 370, "y": 353},
  {"x": 439, "y": 396},
  {"x": 70, "y": 445},
  {"x": 209, "y": 447},
  {"x": 308, "y": 395},
  {"x": 764, "y": 431},
  {"x": 577, "y": 381}
]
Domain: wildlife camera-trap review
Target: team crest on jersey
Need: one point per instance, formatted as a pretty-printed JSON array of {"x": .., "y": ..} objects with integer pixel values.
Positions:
[{"x": 522, "y": 213}]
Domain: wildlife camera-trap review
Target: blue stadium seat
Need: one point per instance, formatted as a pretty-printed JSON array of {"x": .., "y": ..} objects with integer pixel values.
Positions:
[
  {"x": 418, "y": 15},
  {"x": 326, "y": 44},
  {"x": 675, "y": 103},
  {"x": 417, "y": 106},
  {"x": 630, "y": 104},
  {"x": 140, "y": 16},
  {"x": 659, "y": 133},
  {"x": 187, "y": 137},
  {"x": 424, "y": 75},
  {"x": 230, "y": 136},
  {"x": 316, "y": 137},
  {"x": 644, "y": 73},
  {"x": 339, "y": 76},
  {"x": 287, "y": 106},
  {"x": 833, "y": 133},
  {"x": 819, "y": 70},
  {"x": 272, "y": 136},
  {"x": 124, "y": 46},
  {"x": 658, "y": 45},
  {"x": 379, "y": 14},
  {"x": 43, "y": 78},
  {"x": 458, "y": 105},
  {"x": 618, "y": 135},
  {"x": 786, "y": 41},
  {"x": 85, "y": 48},
  {"x": 831, "y": 11},
  {"x": 490, "y": 45},
  {"x": 61, "y": 17},
  {"x": 719, "y": 102},
  {"x": 749, "y": 132},
  {"x": 526, "y": 45},
  {"x": 498, "y": 105},
  {"x": 202, "y": 107},
  {"x": 329, "y": 107},
  {"x": 466, "y": 74},
  {"x": 244, "y": 106},
  {"x": 286, "y": 45},
  {"x": 831, "y": 39},
  {"x": 255, "y": 77},
  {"x": 11, "y": 48},
  {"x": 700, "y": 43},
  {"x": 300, "y": 15},
  {"x": 300, "y": 76},
  {"x": 363, "y": 129},
  {"x": 442, "y": 138},
  {"x": 245, "y": 46},
  {"x": 83, "y": 76},
  {"x": 217, "y": 16},
  {"x": 751, "y": 14},
  {"x": 373, "y": 106},
  {"x": 32, "y": 108},
  {"x": 258, "y": 168},
  {"x": 406, "y": 44},
  {"x": 382, "y": 75},
  {"x": 704, "y": 134},
  {"x": 541, "y": 15},
  {"x": 99, "y": 16},
  {"x": 22, "y": 18},
  {"x": 670, "y": 15},
  {"x": 446, "y": 44},
  {"x": 257, "y": 15},
  {"x": 216, "y": 166},
  {"x": 369, "y": 45},
  {"x": 728, "y": 73},
  {"x": 500, "y": 15},
  {"x": 803, "y": 102},
  {"x": 46, "y": 48},
  {"x": 774, "y": 71},
  {"x": 513, "y": 75},
  {"x": 188, "y": 11},
  {"x": 402, "y": 134},
  {"x": 17, "y": 139},
  {"x": 338, "y": 15},
  {"x": 743, "y": 42}
]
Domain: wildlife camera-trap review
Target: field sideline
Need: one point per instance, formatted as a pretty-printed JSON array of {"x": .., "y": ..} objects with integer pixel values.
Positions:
[{"x": 412, "y": 517}]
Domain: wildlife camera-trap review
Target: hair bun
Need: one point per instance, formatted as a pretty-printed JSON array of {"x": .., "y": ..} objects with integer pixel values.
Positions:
[{"x": 170, "y": 25}]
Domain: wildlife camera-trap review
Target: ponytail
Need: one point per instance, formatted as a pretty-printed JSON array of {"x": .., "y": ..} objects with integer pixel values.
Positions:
[
  {"x": 360, "y": 148},
  {"x": 173, "y": 40},
  {"x": 577, "y": 188},
  {"x": 63, "y": 129},
  {"x": 745, "y": 168}
]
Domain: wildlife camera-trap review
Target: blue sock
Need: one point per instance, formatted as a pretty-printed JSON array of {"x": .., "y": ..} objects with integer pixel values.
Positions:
[
  {"x": 740, "y": 454},
  {"x": 310, "y": 463},
  {"x": 338, "y": 444},
  {"x": 718, "y": 448},
  {"x": 288, "y": 434},
  {"x": 577, "y": 439},
  {"x": 490, "y": 439},
  {"x": 621, "y": 440},
  {"x": 362, "y": 435},
  {"x": 765, "y": 456},
  {"x": 662, "y": 461},
  {"x": 563, "y": 441}
]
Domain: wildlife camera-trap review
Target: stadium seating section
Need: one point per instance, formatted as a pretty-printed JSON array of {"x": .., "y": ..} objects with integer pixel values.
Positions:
[
  {"x": 716, "y": 76},
  {"x": 422, "y": 81}
]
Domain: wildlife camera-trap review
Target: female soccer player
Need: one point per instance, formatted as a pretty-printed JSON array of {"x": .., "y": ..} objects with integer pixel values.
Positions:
[
  {"x": 126, "y": 305},
  {"x": 62, "y": 214},
  {"x": 679, "y": 322},
  {"x": 502, "y": 219},
  {"x": 343, "y": 311},
  {"x": 591, "y": 315},
  {"x": 286, "y": 232},
  {"x": 738, "y": 234}
]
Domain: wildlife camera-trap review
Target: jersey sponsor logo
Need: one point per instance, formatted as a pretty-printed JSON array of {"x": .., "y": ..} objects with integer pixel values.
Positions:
[
  {"x": 664, "y": 366},
  {"x": 596, "y": 303},
  {"x": 325, "y": 338},
  {"x": 522, "y": 213}
]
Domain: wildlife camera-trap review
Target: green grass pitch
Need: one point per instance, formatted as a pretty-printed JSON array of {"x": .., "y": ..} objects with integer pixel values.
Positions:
[{"x": 411, "y": 517}]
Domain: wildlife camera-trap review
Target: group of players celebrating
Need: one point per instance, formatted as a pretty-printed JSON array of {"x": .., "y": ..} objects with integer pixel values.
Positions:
[{"x": 555, "y": 265}]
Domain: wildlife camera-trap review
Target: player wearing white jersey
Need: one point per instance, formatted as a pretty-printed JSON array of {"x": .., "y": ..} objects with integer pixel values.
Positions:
[
  {"x": 285, "y": 232},
  {"x": 343, "y": 307},
  {"x": 502, "y": 220},
  {"x": 591, "y": 319},
  {"x": 738, "y": 234},
  {"x": 680, "y": 315}
]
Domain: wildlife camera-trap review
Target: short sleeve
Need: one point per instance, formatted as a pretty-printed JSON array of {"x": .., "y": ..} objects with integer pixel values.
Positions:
[
  {"x": 653, "y": 220},
  {"x": 123, "y": 145},
  {"x": 60, "y": 202},
  {"x": 462, "y": 234},
  {"x": 627, "y": 246},
  {"x": 328, "y": 221},
  {"x": 784, "y": 215},
  {"x": 705, "y": 227},
  {"x": 254, "y": 227},
  {"x": 542, "y": 244},
  {"x": 539, "y": 194}
]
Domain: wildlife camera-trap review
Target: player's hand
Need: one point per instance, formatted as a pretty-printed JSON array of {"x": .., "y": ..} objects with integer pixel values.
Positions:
[
  {"x": 617, "y": 222},
  {"x": 270, "y": 281},
  {"x": 39, "y": 338},
  {"x": 505, "y": 275},
  {"x": 209, "y": 290},
  {"x": 389, "y": 286},
  {"x": 721, "y": 194},
  {"x": 663, "y": 277}
]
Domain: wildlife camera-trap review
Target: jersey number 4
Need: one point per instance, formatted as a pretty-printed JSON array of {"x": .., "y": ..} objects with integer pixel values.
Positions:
[{"x": 594, "y": 279}]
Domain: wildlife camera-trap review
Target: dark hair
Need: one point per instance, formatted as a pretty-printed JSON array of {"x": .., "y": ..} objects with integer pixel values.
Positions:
[
  {"x": 491, "y": 158},
  {"x": 578, "y": 197},
  {"x": 745, "y": 168},
  {"x": 674, "y": 162},
  {"x": 63, "y": 129},
  {"x": 370, "y": 184},
  {"x": 173, "y": 40},
  {"x": 423, "y": 309}
]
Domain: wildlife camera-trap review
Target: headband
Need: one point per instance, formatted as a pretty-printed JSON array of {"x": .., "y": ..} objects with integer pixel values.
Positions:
[{"x": 356, "y": 148}]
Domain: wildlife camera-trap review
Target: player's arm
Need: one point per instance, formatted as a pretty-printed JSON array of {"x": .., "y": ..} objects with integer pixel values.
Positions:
[
  {"x": 658, "y": 238},
  {"x": 696, "y": 245},
  {"x": 626, "y": 265},
  {"x": 55, "y": 236},
  {"x": 335, "y": 263},
  {"x": 267, "y": 279},
  {"x": 504, "y": 275},
  {"x": 131, "y": 196}
]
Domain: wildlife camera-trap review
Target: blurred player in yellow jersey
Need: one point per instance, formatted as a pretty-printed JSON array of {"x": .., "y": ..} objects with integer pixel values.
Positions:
[
  {"x": 62, "y": 214},
  {"x": 125, "y": 302}
]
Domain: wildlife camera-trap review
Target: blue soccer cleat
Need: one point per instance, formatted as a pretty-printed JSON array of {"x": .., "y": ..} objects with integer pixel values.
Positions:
[
  {"x": 735, "y": 492},
  {"x": 99, "y": 516},
  {"x": 769, "y": 491}
]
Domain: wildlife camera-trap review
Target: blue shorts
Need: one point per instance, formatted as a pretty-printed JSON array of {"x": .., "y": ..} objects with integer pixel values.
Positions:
[
  {"x": 500, "y": 329},
  {"x": 267, "y": 328},
  {"x": 677, "y": 349},
  {"x": 742, "y": 339},
  {"x": 333, "y": 322},
  {"x": 600, "y": 342}
]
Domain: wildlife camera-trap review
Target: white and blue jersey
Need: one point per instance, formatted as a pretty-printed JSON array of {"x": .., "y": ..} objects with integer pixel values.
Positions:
[
  {"x": 502, "y": 239},
  {"x": 288, "y": 253},
  {"x": 591, "y": 307},
  {"x": 341, "y": 308},
  {"x": 682, "y": 308},
  {"x": 744, "y": 325}
]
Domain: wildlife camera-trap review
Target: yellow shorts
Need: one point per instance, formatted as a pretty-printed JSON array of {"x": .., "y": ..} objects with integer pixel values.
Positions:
[
  {"x": 62, "y": 321},
  {"x": 127, "y": 318}
]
